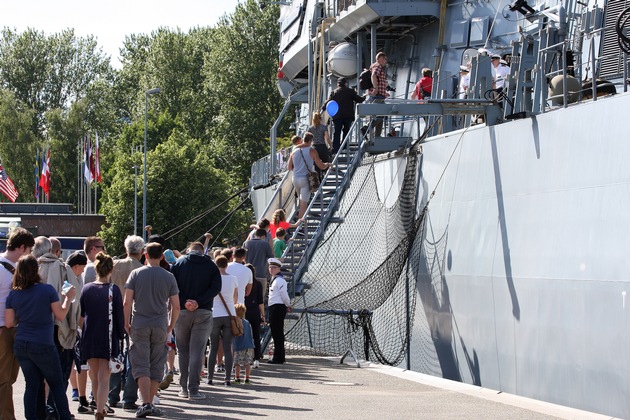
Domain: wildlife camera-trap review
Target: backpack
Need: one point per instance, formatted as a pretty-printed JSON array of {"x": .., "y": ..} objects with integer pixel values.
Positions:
[{"x": 365, "y": 80}]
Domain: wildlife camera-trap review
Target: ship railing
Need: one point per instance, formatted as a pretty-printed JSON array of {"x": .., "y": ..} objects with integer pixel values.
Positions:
[
  {"x": 567, "y": 95},
  {"x": 322, "y": 206}
]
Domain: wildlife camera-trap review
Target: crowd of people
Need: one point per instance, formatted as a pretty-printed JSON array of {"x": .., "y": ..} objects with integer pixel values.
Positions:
[{"x": 119, "y": 321}]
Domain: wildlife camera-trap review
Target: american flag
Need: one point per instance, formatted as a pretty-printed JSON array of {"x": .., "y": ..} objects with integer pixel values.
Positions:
[{"x": 6, "y": 185}]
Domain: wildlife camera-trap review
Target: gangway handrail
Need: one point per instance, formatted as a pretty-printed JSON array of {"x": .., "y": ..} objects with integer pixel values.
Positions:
[{"x": 297, "y": 268}]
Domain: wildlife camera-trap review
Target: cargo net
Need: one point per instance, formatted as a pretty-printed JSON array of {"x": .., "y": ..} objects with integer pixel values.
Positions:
[{"x": 359, "y": 294}]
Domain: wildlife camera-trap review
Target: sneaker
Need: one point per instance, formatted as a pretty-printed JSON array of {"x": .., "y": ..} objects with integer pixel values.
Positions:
[
  {"x": 197, "y": 396},
  {"x": 93, "y": 404},
  {"x": 130, "y": 406},
  {"x": 237, "y": 381},
  {"x": 217, "y": 368},
  {"x": 157, "y": 412},
  {"x": 168, "y": 378},
  {"x": 247, "y": 381},
  {"x": 156, "y": 400},
  {"x": 182, "y": 393},
  {"x": 256, "y": 364},
  {"x": 144, "y": 411},
  {"x": 227, "y": 383},
  {"x": 221, "y": 368},
  {"x": 209, "y": 381},
  {"x": 108, "y": 409},
  {"x": 75, "y": 395},
  {"x": 83, "y": 409}
]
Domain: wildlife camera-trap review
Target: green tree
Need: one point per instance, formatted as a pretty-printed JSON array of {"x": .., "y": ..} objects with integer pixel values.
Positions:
[
  {"x": 17, "y": 144},
  {"x": 182, "y": 183},
  {"x": 241, "y": 72},
  {"x": 50, "y": 72}
]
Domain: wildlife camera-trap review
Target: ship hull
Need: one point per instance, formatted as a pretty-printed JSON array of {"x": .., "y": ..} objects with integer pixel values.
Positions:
[{"x": 524, "y": 273}]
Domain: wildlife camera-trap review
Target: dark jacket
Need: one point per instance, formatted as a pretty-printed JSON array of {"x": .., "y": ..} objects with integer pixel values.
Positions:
[
  {"x": 346, "y": 98},
  {"x": 198, "y": 278}
]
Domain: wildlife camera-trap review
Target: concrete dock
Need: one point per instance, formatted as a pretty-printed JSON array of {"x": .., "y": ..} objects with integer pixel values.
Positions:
[{"x": 321, "y": 388}]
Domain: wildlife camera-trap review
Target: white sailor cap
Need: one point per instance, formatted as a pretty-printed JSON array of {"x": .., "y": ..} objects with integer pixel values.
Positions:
[
  {"x": 503, "y": 62},
  {"x": 464, "y": 69},
  {"x": 274, "y": 261},
  {"x": 495, "y": 56}
]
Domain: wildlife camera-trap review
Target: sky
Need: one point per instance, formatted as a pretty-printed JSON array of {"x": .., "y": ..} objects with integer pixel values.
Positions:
[{"x": 110, "y": 21}]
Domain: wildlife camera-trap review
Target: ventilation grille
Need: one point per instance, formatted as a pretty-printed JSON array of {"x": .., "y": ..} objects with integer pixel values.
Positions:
[{"x": 612, "y": 56}]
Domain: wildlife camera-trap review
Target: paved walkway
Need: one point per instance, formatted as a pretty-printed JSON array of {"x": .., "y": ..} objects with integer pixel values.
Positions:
[{"x": 318, "y": 388}]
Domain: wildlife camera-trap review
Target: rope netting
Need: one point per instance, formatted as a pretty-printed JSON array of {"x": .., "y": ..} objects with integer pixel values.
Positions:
[{"x": 360, "y": 294}]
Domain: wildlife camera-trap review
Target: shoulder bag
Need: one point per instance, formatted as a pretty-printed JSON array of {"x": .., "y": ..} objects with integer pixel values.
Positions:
[
  {"x": 116, "y": 364},
  {"x": 236, "y": 323},
  {"x": 313, "y": 177}
]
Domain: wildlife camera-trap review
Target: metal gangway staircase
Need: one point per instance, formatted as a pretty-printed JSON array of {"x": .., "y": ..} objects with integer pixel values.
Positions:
[{"x": 320, "y": 211}]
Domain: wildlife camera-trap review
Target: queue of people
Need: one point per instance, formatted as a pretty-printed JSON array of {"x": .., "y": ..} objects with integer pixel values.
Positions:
[{"x": 57, "y": 327}]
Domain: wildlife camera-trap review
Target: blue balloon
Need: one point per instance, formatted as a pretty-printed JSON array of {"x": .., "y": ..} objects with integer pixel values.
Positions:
[{"x": 332, "y": 107}]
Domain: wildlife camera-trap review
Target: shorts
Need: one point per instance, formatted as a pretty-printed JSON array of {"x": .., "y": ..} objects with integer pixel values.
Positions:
[
  {"x": 244, "y": 357},
  {"x": 148, "y": 352},
  {"x": 301, "y": 184}
]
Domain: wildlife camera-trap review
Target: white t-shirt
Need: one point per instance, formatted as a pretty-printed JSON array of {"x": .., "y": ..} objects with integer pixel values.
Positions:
[
  {"x": 229, "y": 285},
  {"x": 6, "y": 278},
  {"x": 243, "y": 277}
]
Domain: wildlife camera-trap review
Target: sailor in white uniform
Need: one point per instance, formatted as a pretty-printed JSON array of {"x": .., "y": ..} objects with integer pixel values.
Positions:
[{"x": 279, "y": 305}]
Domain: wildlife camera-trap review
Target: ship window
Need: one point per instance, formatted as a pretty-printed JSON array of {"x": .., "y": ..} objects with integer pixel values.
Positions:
[
  {"x": 459, "y": 34},
  {"x": 479, "y": 27}
]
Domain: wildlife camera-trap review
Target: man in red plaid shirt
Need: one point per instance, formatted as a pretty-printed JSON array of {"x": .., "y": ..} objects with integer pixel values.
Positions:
[{"x": 378, "y": 93}]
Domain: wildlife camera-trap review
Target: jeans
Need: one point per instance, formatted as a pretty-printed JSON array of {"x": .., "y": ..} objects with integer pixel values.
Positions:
[
  {"x": 130, "y": 390},
  {"x": 342, "y": 125},
  {"x": 254, "y": 320},
  {"x": 118, "y": 381},
  {"x": 66, "y": 360},
  {"x": 377, "y": 122},
  {"x": 191, "y": 334},
  {"x": 41, "y": 361},
  {"x": 277, "y": 313}
]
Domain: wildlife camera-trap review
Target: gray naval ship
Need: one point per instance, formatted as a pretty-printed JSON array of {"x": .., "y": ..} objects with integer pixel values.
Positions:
[{"x": 484, "y": 236}]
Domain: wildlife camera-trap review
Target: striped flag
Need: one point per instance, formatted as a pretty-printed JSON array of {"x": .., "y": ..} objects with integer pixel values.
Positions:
[
  {"x": 88, "y": 163},
  {"x": 6, "y": 185},
  {"x": 44, "y": 179}
]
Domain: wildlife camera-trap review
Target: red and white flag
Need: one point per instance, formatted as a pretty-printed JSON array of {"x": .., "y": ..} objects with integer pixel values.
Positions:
[
  {"x": 44, "y": 180},
  {"x": 88, "y": 164},
  {"x": 6, "y": 186},
  {"x": 97, "y": 163}
]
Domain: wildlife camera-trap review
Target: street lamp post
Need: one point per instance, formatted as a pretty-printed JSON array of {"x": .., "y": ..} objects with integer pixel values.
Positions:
[
  {"x": 135, "y": 200},
  {"x": 144, "y": 188}
]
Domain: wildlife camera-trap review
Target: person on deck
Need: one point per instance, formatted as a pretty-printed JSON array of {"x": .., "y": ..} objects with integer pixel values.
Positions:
[
  {"x": 424, "y": 86},
  {"x": 378, "y": 93},
  {"x": 346, "y": 99}
]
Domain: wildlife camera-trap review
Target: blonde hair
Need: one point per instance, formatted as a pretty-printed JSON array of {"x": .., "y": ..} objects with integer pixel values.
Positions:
[
  {"x": 240, "y": 310},
  {"x": 278, "y": 216},
  {"x": 317, "y": 119}
]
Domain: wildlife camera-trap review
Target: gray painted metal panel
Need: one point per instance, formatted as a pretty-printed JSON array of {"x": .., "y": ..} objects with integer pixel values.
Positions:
[{"x": 534, "y": 213}]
